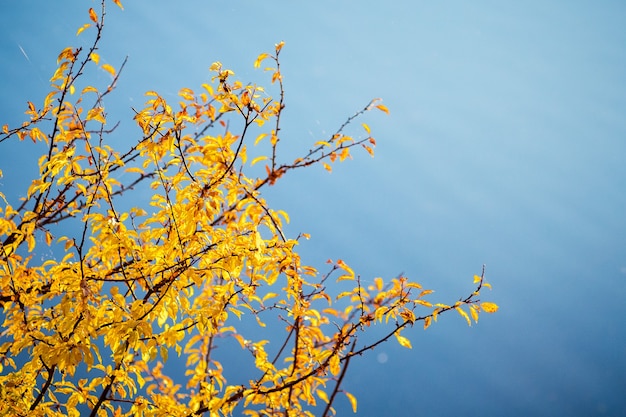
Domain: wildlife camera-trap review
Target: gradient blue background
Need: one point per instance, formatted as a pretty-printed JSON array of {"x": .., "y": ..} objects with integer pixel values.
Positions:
[{"x": 506, "y": 145}]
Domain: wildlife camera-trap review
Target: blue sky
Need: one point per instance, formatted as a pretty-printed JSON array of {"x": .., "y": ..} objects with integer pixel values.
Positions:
[{"x": 505, "y": 146}]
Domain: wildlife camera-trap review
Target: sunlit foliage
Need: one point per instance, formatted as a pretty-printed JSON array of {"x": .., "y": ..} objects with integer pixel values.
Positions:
[{"x": 128, "y": 286}]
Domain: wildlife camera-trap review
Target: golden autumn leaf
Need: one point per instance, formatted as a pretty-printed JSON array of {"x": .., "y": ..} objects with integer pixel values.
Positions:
[
  {"x": 378, "y": 282},
  {"x": 97, "y": 114},
  {"x": 369, "y": 150},
  {"x": 408, "y": 315},
  {"x": 108, "y": 68},
  {"x": 135, "y": 170},
  {"x": 489, "y": 307},
  {"x": 260, "y": 59},
  {"x": 352, "y": 400},
  {"x": 334, "y": 364},
  {"x": 93, "y": 16},
  {"x": 403, "y": 341},
  {"x": 344, "y": 154},
  {"x": 323, "y": 396},
  {"x": 474, "y": 312},
  {"x": 259, "y": 138},
  {"x": 258, "y": 159},
  {"x": 423, "y": 303},
  {"x": 82, "y": 28},
  {"x": 382, "y": 108},
  {"x": 349, "y": 272},
  {"x": 89, "y": 89},
  {"x": 66, "y": 54},
  {"x": 463, "y": 314}
]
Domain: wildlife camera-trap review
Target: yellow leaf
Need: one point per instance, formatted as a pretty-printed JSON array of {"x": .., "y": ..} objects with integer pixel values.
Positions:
[
  {"x": 31, "y": 106},
  {"x": 322, "y": 395},
  {"x": 334, "y": 364},
  {"x": 48, "y": 99},
  {"x": 366, "y": 127},
  {"x": 260, "y": 59},
  {"x": 269, "y": 295},
  {"x": 258, "y": 159},
  {"x": 83, "y": 27},
  {"x": 404, "y": 342},
  {"x": 408, "y": 315},
  {"x": 95, "y": 57},
  {"x": 379, "y": 314},
  {"x": 209, "y": 89},
  {"x": 463, "y": 314},
  {"x": 427, "y": 322},
  {"x": 89, "y": 89},
  {"x": 68, "y": 244},
  {"x": 352, "y": 400},
  {"x": 72, "y": 89},
  {"x": 283, "y": 214},
  {"x": 109, "y": 69},
  {"x": 118, "y": 4},
  {"x": 345, "y": 153},
  {"x": 216, "y": 66},
  {"x": 279, "y": 46},
  {"x": 93, "y": 16},
  {"x": 48, "y": 238},
  {"x": 382, "y": 107},
  {"x": 96, "y": 114},
  {"x": 30, "y": 240},
  {"x": 327, "y": 167},
  {"x": 341, "y": 264},
  {"x": 474, "y": 312},
  {"x": 477, "y": 279},
  {"x": 343, "y": 294},
  {"x": 186, "y": 93},
  {"x": 5, "y": 129},
  {"x": 259, "y": 138},
  {"x": 489, "y": 307},
  {"x": 136, "y": 170},
  {"x": 423, "y": 303}
]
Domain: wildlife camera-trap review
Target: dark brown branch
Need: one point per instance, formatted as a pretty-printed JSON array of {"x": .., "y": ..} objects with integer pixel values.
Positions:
[
  {"x": 46, "y": 385},
  {"x": 331, "y": 400}
]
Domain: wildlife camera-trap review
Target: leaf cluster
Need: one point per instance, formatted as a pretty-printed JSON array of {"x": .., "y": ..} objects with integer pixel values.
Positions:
[{"x": 89, "y": 331}]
